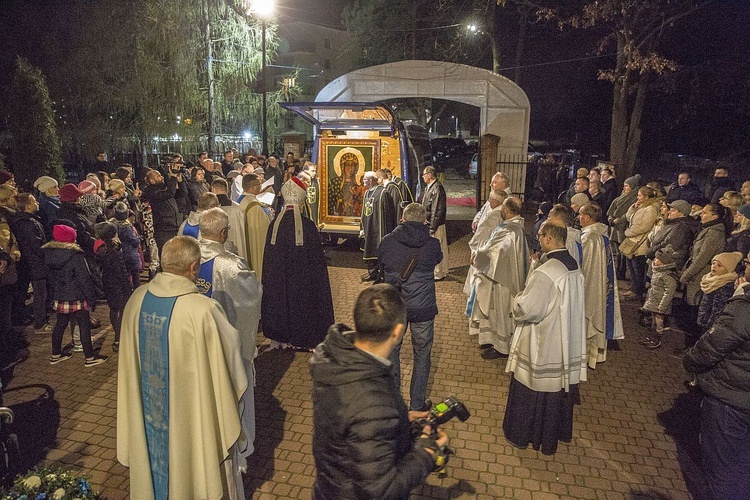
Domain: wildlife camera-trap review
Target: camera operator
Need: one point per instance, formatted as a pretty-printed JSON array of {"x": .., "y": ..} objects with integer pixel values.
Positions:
[
  {"x": 176, "y": 168},
  {"x": 362, "y": 443},
  {"x": 160, "y": 194}
]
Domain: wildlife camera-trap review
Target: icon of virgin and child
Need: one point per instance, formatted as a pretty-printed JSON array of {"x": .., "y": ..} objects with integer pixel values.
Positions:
[{"x": 345, "y": 189}]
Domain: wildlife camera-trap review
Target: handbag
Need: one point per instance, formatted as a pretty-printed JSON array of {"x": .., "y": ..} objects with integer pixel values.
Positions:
[{"x": 628, "y": 248}]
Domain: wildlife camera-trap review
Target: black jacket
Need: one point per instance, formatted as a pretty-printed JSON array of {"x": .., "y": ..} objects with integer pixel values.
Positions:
[
  {"x": 84, "y": 229},
  {"x": 362, "y": 442},
  {"x": 721, "y": 358},
  {"x": 739, "y": 242},
  {"x": 166, "y": 214},
  {"x": 117, "y": 287},
  {"x": 395, "y": 251},
  {"x": 434, "y": 201},
  {"x": 31, "y": 235},
  {"x": 690, "y": 193},
  {"x": 718, "y": 186},
  {"x": 679, "y": 233},
  {"x": 68, "y": 273}
]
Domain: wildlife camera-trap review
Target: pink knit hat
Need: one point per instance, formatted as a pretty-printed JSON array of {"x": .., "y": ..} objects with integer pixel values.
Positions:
[
  {"x": 64, "y": 234},
  {"x": 87, "y": 187}
]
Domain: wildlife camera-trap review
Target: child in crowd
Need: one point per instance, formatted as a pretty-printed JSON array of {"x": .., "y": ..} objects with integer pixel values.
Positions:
[
  {"x": 659, "y": 298},
  {"x": 717, "y": 287},
  {"x": 74, "y": 292},
  {"x": 130, "y": 242},
  {"x": 117, "y": 286}
]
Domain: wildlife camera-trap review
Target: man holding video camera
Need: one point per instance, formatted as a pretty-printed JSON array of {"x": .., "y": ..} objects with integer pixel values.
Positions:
[{"x": 362, "y": 440}]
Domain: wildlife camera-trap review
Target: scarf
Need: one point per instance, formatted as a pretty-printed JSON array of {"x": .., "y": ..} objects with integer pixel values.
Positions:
[{"x": 711, "y": 283}]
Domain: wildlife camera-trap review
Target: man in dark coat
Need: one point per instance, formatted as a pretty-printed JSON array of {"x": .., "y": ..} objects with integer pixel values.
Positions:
[
  {"x": 721, "y": 364},
  {"x": 434, "y": 202},
  {"x": 609, "y": 184},
  {"x": 296, "y": 307},
  {"x": 394, "y": 196},
  {"x": 160, "y": 195},
  {"x": 376, "y": 218},
  {"x": 410, "y": 246},
  {"x": 720, "y": 184},
  {"x": 685, "y": 189},
  {"x": 362, "y": 442}
]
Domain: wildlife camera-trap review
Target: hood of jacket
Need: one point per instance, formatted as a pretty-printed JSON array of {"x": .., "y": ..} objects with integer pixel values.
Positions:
[
  {"x": 336, "y": 361},
  {"x": 412, "y": 234},
  {"x": 58, "y": 253}
]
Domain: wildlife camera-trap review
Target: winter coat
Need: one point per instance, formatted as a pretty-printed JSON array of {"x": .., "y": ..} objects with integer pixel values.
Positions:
[
  {"x": 616, "y": 214},
  {"x": 718, "y": 186},
  {"x": 75, "y": 214},
  {"x": 164, "y": 210},
  {"x": 708, "y": 243},
  {"x": 131, "y": 244},
  {"x": 739, "y": 242},
  {"x": 712, "y": 303},
  {"x": 679, "y": 233},
  {"x": 721, "y": 358},
  {"x": 195, "y": 190},
  {"x": 434, "y": 201},
  {"x": 8, "y": 240},
  {"x": 361, "y": 439},
  {"x": 662, "y": 290},
  {"x": 29, "y": 231},
  {"x": 117, "y": 287},
  {"x": 395, "y": 252},
  {"x": 690, "y": 193},
  {"x": 610, "y": 193},
  {"x": 68, "y": 273},
  {"x": 48, "y": 207},
  {"x": 182, "y": 197},
  {"x": 640, "y": 221}
]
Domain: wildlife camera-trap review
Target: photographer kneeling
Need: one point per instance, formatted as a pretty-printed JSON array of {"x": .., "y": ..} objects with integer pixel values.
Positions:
[{"x": 362, "y": 442}]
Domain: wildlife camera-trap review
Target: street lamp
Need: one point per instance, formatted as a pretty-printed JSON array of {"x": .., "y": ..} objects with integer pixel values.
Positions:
[{"x": 263, "y": 10}]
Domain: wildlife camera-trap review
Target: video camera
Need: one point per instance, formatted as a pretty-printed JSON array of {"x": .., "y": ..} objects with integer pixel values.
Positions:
[{"x": 439, "y": 415}]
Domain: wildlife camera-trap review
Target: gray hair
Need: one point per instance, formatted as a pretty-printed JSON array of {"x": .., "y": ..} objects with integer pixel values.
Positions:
[
  {"x": 213, "y": 222},
  {"x": 415, "y": 212},
  {"x": 207, "y": 200},
  {"x": 179, "y": 253},
  {"x": 498, "y": 196},
  {"x": 504, "y": 177}
]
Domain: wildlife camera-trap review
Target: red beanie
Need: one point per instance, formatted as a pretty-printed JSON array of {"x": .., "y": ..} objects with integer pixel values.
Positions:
[
  {"x": 64, "y": 234},
  {"x": 70, "y": 193}
]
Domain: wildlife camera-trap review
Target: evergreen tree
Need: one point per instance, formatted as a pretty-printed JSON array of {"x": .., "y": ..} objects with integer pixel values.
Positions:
[{"x": 35, "y": 147}]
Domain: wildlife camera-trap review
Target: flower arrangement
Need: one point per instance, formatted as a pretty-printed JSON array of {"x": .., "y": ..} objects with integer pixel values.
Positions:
[{"x": 49, "y": 484}]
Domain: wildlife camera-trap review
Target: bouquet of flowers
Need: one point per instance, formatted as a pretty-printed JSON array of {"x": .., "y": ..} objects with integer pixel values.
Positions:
[{"x": 49, "y": 484}]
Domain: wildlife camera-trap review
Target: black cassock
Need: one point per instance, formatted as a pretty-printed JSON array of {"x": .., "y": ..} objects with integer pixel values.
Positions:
[
  {"x": 378, "y": 219},
  {"x": 296, "y": 306}
]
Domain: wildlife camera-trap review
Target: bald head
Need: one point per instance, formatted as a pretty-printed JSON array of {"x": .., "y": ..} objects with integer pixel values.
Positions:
[{"x": 511, "y": 207}]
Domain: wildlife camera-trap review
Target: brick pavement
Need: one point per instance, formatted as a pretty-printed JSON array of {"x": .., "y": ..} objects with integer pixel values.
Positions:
[{"x": 620, "y": 447}]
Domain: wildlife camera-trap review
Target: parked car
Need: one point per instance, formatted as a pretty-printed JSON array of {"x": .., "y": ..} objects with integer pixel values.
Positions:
[{"x": 451, "y": 152}]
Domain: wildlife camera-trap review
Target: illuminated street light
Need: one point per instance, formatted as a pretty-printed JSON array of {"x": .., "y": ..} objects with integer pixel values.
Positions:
[{"x": 264, "y": 10}]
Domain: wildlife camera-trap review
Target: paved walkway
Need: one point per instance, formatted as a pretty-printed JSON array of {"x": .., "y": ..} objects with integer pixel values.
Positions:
[{"x": 635, "y": 433}]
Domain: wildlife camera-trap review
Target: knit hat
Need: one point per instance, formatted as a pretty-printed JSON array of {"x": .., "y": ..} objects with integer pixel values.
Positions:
[
  {"x": 115, "y": 184},
  {"x": 634, "y": 181},
  {"x": 87, "y": 187},
  {"x": 665, "y": 255},
  {"x": 681, "y": 206},
  {"x": 545, "y": 207},
  {"x": 93, "y": 178},
  {"x": 259, "y": 171},
  {"x": 729, "y": 260},
  {"x": 745, "y": 210},
  {"x": 121, "y": 211},
  {"x": 64, "y": 233},
  {"x": 579, "y": 199},
  {"x": 70, "y": 193},
  {"x": 45, "y": 183},
  {"x": 5, "y": 176},
  {"x": 232, "y": 174},
  {"x": 105, "y": 230}
]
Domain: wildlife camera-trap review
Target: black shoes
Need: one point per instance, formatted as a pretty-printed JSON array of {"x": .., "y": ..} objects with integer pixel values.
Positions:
[{"x": 492, "y": 353}]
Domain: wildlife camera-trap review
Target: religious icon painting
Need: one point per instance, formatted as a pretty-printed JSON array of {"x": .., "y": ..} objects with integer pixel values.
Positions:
[{"x": 344, "y": 163}]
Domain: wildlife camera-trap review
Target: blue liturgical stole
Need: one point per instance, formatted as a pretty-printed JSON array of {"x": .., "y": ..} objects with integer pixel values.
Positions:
[
  {"x": 205, "y": 279},
  {"x": 579, "y": 246},
  {"x": 153, "y": 348},
  {"x": 190, "y": 230}
]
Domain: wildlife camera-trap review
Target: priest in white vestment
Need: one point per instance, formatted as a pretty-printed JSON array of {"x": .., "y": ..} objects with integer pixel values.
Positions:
[
  {"x": 236, "y": 237},
  {"x": 565, "y": 215},
  {"x": 502, "y": 264},
  {"x": 547, "y": 356},
  {"x": 225, "y": 277},
  {"x": 498, "y": 185},
  {"x": 180, "y": 381},
  {"x": 598, "y": 273},
  {"x": 257, "y": 218},
  {"x": 487, "y": 222}
]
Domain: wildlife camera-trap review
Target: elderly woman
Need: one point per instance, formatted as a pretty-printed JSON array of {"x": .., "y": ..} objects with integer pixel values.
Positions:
[
  {"x": 617, "y": 220},
  {"x": 641, "y": 216}
]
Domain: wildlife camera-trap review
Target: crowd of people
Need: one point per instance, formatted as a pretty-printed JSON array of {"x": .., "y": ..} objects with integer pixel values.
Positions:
[{"x": 244, "y": 232}]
